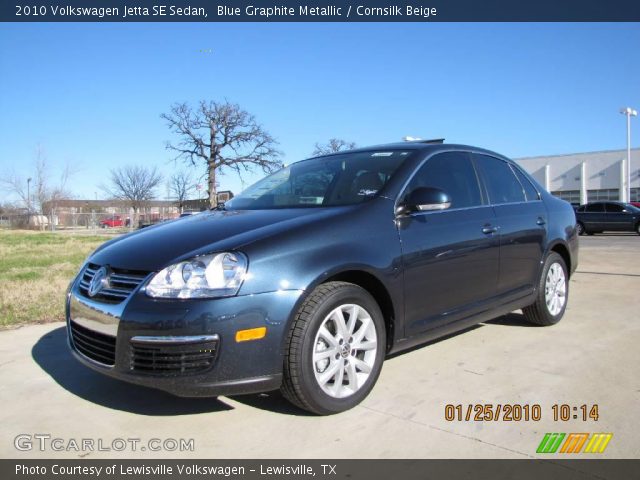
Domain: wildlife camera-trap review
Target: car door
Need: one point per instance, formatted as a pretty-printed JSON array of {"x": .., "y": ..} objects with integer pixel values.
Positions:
[
  {"x": 618, "y": 218},
  {"x": 595, "y": 217},
  {"x": 521, "y": 217},
  {"x": 450, "y": 257}
]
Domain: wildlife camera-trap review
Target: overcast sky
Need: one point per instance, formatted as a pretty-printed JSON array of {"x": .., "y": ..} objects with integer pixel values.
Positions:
[{"x": 92, "y": 94}]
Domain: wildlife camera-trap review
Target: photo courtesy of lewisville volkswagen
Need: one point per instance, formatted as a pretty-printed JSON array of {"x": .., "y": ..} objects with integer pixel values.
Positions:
[{"x": 310, "y": 277}]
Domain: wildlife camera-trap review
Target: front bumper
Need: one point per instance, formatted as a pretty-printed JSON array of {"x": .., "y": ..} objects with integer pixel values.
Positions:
[{"x": 237, "y": 368}]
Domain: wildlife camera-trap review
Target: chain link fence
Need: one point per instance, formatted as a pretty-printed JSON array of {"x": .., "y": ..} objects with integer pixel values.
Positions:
[{"x": 120, "y": 219}]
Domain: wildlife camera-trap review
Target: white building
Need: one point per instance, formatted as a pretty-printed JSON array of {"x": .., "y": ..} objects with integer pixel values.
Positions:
[{"x": 585, "y": 177}]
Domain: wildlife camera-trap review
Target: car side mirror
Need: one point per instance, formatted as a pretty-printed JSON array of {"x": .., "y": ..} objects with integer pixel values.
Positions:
[{"x": 424, "y": 199}]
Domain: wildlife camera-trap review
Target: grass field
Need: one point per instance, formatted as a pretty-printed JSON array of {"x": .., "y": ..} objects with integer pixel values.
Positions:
[{"x": 35, "y": 270}]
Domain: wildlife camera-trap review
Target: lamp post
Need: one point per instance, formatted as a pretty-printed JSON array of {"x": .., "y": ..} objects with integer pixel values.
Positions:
[
  {"x": 629, "y": 112},
  {"x": 28, "y": 196}
]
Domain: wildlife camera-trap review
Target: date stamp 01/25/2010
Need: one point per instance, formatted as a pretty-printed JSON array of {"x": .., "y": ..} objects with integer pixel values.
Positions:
[{"x": 516, "y": 412}]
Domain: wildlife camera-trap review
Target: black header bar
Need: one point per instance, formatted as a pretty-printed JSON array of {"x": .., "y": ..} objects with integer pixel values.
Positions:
[{"x": 321, "y": 11}]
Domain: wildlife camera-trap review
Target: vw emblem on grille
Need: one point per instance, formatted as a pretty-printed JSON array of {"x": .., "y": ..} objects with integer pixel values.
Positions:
[{"x": 99, "y": 281}]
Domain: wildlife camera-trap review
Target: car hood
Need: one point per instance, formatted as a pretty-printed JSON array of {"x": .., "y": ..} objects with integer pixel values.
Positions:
[{"x": 153, "y": 248}]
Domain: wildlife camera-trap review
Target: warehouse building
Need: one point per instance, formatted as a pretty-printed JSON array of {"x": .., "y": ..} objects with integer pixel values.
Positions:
[{"x": 586, "y": 177}]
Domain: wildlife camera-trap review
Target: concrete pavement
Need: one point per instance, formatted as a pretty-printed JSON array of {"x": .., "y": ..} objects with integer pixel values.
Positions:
[{"x": 591, "y": 357}]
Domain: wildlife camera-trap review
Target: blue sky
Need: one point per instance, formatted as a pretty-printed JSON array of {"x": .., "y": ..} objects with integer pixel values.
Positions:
[{"x": 92, "y": 94}]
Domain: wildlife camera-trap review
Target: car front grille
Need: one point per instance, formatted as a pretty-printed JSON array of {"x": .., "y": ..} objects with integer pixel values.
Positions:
[
  {"x": 172, "y": 359},
  {"x": 94, "y": 345},
  {"x": 119, "y": 286}
]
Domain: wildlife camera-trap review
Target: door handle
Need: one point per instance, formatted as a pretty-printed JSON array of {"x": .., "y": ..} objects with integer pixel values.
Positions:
[
  {"x": 540, "y": 221},
  {"x": 488, "y": 229}
]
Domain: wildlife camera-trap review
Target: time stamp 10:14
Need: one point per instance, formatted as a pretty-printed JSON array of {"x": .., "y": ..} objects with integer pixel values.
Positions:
[{"x": 516, "y": 412}]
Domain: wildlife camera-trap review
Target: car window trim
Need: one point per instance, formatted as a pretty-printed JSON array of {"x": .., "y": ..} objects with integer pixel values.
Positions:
[{"x": 516, "y": 169}]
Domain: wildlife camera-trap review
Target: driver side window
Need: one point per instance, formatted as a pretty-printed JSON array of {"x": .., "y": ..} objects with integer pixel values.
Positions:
[{"x": 454, "y": 174}]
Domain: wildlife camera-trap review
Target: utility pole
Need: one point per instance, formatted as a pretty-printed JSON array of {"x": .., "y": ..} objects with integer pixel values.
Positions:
[
  {"x": 629, "y": 112},
  {"x": 28, "y": 196}
]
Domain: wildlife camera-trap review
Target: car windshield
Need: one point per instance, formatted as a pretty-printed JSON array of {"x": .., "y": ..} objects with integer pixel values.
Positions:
[{"x": 344, "y": 179}]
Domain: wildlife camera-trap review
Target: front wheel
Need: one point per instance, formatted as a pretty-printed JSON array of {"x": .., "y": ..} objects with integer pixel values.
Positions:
[
  {"x": 335, "y": 349},
  {"x": 580, "y": 227},
  {"x": 552, "y": 295}
]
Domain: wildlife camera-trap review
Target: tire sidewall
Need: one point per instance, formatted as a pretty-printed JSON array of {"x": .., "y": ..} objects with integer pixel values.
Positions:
[
  {"x": 313, "y": 392},
  {"x": 581, "y": 230},
  {"x": 552, "y": 259}
]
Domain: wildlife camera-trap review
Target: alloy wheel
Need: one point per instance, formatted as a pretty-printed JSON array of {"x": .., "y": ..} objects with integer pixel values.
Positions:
[
  {"x": 344, "y": 350},
  {"x": 555, "y": 291}
]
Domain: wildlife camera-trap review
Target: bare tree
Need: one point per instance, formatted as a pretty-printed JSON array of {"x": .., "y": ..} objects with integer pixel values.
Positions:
[
  {"x": 39, "y": 191},
  {"x": 50, "y": 196},
  {"x": 332, "y": 146},
  {"x": 222, "y": 136},
  {"x": 135, "y": 185},
  {"x": 180, "y": 186},
  {"x": 17, "y": 185},
  {"x": 8, "y": 208}
]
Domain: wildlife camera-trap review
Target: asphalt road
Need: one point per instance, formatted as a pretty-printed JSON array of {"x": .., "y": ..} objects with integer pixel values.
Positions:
[{"x": 591, "y": 357}]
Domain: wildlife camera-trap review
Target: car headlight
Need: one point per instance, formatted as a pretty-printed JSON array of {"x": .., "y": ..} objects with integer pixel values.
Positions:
[{"x": 216, "y": 275}]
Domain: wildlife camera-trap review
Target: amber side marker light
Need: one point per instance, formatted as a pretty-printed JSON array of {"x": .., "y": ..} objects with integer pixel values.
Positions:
[{"x": 251, "y": 334}]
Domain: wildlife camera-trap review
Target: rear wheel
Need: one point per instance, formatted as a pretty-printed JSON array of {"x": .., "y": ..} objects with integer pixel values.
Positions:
[
  {"x": 580, "y": 227},
  {"x": 638, "y": 228},
  {"x": 335, "y": 349},
  {"x": 553, "y": 292}
]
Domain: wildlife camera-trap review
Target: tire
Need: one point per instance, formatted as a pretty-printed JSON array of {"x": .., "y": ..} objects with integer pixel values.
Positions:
[
  {"x": 638, "y": 228},
  {"x": 580, "y": 227},
  {"x": 317, "y": 381},
  {"x": 554, "y": 273}
]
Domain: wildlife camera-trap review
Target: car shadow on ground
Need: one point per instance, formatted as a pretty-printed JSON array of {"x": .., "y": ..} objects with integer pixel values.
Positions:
[
  {"x": 510, "y": 320},
  {"x": 272, "y": 402},
  {"x": 52, "y": 354}
]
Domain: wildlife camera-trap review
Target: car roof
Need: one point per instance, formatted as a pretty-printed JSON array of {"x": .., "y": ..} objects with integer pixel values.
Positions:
[{"x": 426, "y": 146}]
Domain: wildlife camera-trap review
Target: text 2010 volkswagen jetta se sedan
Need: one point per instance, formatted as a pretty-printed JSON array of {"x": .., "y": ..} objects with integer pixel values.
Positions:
[{"x": 310, "y": 277}]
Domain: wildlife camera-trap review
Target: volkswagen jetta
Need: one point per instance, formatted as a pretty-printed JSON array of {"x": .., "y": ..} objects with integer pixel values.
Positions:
[{"x": 309, "y": 278}]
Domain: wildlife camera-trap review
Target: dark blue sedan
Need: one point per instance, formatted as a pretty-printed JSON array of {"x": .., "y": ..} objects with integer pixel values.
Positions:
[
  {"x": 309, "y": 278},
  {"x": 598, "y": 217}
]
